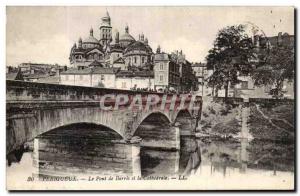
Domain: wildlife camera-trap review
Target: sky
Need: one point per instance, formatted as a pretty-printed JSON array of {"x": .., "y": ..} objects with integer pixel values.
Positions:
[{"x": 46, "y": 34}]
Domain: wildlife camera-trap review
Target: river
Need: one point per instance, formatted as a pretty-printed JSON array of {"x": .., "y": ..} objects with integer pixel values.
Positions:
[{"x": 212, "y": 163}]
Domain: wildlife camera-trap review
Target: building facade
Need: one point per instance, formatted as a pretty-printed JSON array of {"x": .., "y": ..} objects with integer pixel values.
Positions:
[
  {"x": 202, "y": 74},
  {"x": 166, "y": 72},
  {"x": 92, "y": 76}
]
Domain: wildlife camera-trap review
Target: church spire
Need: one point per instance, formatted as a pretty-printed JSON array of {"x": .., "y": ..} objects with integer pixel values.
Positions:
[
  {"x": 158, "y": 49},
  {"x": 80, "y": 43},
  {"x": 117, "y": 37},
  {"x": 91, "y": 32}
]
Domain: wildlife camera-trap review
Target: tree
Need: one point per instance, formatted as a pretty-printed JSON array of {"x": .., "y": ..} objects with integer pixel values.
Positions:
[
  {"x": 230, "y": 56},
  {"x": 277, "y": 67}
]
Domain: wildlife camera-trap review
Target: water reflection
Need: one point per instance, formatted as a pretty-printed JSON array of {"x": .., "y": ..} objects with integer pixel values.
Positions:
[
  {"x": 221, "y": 154},
  {"x": 159, "y": 162},
  {"x": 198, "y": 158}
]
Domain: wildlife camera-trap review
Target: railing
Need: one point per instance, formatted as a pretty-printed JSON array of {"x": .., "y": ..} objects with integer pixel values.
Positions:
[{"x": 33, "y": 91}]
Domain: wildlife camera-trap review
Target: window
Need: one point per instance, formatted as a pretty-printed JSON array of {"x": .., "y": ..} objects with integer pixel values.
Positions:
[
  {"x": 123, "y": 84},
  {"x": 161, "y": 66},
  {"x": 102, "y": 77},
  {"x": 244, "y": 85},
  {"x": 135, "y": 59},
  {"x": 161, "y": 78},
  {"x": 143, "y": 59}
]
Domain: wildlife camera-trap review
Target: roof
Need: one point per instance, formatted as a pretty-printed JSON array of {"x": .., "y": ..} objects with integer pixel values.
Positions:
[
  {"x": 145, "y": 73},
  {"x": 136, "y": 46},
  {"x": 161, "y": 57},
  {"x": 85, "y": 50},
  {"x": 126, "y": 37},
  {"x": 76, "y": 71},
  {"x": 105, "y": 70},
  {"x": 90, "y": 70},
  {"x": 91, "y": 39},
  {"x": 119, "y": 60},
  {"x": 116, "y": 48},
  {"x": 96, "y": 64},
  {"x": 198, "y": 65},
  {"x": 50, "y": 79},
  {"x": 11, "y": 76}
]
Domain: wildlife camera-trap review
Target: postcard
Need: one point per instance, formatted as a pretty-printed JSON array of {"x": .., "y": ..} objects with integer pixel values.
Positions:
[{"x": 150, "y": 98}]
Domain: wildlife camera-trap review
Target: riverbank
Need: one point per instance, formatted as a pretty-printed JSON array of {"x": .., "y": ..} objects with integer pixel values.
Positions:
[
  {"x": 270, "y": 126},
  {"x": 220, "y": 120}
]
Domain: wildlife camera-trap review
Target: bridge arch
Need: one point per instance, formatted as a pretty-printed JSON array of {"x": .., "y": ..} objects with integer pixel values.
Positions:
[
  {"x": 156, "y": 130},
  {"x": 82, "y": 149},
  {"x": 148, "y": 116},
  {"x": 84, "y": 130}
]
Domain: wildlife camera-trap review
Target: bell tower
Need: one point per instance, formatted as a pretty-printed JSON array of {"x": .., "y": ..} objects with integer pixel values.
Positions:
[{"x": 105, "y": 30}]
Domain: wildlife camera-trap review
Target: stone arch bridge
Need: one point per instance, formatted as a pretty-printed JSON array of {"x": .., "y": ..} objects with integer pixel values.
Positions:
[{"x": 36, "y": 108}]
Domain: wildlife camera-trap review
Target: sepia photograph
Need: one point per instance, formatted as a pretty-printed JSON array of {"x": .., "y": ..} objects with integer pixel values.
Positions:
[{"x": 190, "y": 98}]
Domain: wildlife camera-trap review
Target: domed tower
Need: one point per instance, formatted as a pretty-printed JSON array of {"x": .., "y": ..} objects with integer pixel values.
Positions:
[
  {"x": 126, "y": 39},
  {"x": 91, "y": 41},
  {"x": 105, "y": 30}
]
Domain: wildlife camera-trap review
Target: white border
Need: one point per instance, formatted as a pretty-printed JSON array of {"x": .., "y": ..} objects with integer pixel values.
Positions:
[{"x": 4, "y": 3}]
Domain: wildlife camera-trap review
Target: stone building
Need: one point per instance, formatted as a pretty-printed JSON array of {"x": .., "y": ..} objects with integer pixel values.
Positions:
[
  {"x": 202, "y": 74},
  {"x": 188, "y": 81},
  {"x": 92, "y": 76},
  {"x": 130, "y": 80},
  {"x": 166, "y": 72}
]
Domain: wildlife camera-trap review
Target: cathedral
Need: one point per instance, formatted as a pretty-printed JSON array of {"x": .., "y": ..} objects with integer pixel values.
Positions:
[{"x": 118, "y": 51}]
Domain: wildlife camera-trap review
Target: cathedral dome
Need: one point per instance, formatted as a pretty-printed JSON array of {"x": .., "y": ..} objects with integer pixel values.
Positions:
[
  {"x": 137, "y": 46},
  {"x": 126, "y": 38},
  {"x": 91, "y": 41}
]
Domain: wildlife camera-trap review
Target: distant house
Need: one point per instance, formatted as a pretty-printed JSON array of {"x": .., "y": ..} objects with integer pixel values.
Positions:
[
  {"x": 91, "y": 76},
  {"x": 246, "y": 87},
  {"x": 50, "y": 79},
  {"x": 202, "y": 74},
  {"x": 36, "y": 77},
  {"x": 135, "y": 80},
  {"x": 14, "y": 76},
  {"x": 166, "y": 71},
  {"x": 37, "y": 72}
]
